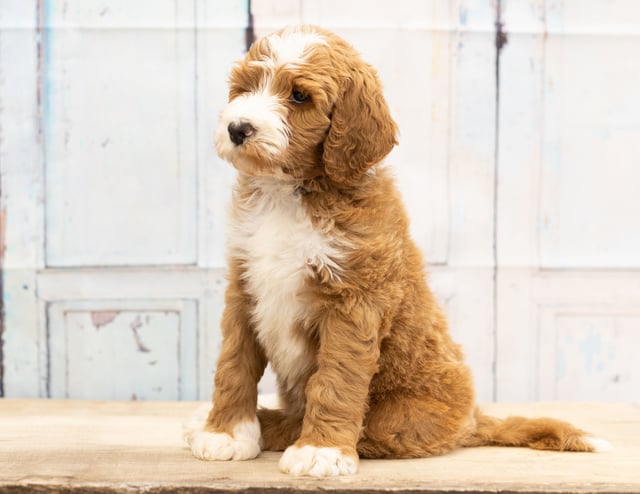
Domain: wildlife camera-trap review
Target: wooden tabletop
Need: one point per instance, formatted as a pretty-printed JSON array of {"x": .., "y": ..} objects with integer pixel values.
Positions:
[{"x": 82, "y": 446}]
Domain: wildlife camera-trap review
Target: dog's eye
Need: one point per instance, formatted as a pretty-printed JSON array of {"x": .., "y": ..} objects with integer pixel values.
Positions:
[{"x": 299, "y": 97}]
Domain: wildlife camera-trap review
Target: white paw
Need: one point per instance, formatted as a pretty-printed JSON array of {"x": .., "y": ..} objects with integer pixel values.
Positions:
[
  {"x": 317, "y": 462},
  {"x": 243, "y": 445},
  {"x": 599, "y": 445},
  {"x": 195, "y": 423},
  {"x": 221, "y": 446}
]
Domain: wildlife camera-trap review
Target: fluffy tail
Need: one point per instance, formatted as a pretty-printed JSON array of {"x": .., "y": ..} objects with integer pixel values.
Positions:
[{"x": 538, "y": 433}]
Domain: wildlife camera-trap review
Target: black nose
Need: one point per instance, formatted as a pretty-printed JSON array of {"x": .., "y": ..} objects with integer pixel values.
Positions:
[{"x": 240, "y": 131}]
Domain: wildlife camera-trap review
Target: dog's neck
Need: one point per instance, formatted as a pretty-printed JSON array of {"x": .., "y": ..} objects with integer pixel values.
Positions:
[
  {"x": 319, "y": 186},
  {"x": 270, "y": 185}
]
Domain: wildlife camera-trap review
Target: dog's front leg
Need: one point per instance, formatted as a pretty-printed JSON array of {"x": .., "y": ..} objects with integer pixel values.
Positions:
[
  {"x": 231, "y": 430},
  {"x": 337, "y": 394}
]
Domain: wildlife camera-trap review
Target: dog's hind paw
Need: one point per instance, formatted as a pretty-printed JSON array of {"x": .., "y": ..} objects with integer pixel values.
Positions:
[{"x": 317, "y": 462}]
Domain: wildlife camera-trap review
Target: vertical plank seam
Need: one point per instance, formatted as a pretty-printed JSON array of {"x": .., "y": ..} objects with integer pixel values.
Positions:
[
  {"x": 47, "y": 328},
  {"x": 453, "y": 38},
  {"x": 181, "y": 312},
  {"x": 2, "y": 250},
  {"x": 249, "y": 33},
  {"x": 200, "y": 208},
  {"x": 43, "y": 19},
  {"x": 536, "y": 265},
  {"x": 500, "y": 42},
  {"x": 43, "y": 23}
]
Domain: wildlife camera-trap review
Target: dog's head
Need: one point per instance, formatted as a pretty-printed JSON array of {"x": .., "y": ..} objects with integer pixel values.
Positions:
[{"x": 303, "y": 104}]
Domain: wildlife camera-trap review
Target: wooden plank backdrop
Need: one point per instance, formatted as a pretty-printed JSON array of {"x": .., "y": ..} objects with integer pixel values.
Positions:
[{"x": 518, "y": 162}]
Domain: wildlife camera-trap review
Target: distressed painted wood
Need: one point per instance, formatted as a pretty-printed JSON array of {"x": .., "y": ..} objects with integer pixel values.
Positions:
[
  {"x": 22, "y": 195},
  {"x": 574, "y": 338},
  {"x": 591, "y": 353},
  {"x": 110, "y": 117},
  {"x": 137, "y": 446},
  {"x": 131, "y": 350},
  {"x": 195, "y": 295},
  {"x": 113, "y": 198},
  {"x": 589, "y": 201},
  {"x": 567, "y": 198}
]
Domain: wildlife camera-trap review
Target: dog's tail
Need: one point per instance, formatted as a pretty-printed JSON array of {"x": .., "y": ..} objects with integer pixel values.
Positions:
[{"x": 537, "y": 433}]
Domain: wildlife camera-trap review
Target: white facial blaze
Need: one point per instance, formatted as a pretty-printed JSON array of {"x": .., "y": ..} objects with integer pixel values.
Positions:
[
  {"x": 291, "y": 47},
  {"x": 265, "y": 113}
]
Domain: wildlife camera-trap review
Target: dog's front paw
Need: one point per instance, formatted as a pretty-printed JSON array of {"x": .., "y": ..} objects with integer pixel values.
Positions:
[
  {"x": 243, "y": 444},
  {"x": 221, "y": 446},
  {"x": 195, "y": 423},
  {"x": 317, "y": 462}
]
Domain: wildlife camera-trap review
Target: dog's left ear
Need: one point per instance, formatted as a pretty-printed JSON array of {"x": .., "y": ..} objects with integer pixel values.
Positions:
[{"x": 362, "y": 131}]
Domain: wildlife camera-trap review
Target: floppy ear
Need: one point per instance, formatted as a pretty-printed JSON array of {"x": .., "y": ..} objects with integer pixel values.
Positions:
[{"x": 362, "y": 131}]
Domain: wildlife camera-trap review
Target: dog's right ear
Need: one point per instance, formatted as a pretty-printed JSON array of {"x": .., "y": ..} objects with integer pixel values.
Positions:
[{"x": 362, "y": 131}]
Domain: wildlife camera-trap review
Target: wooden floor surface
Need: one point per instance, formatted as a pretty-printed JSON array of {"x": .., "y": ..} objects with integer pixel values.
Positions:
[{"x": 76, "y": 446}]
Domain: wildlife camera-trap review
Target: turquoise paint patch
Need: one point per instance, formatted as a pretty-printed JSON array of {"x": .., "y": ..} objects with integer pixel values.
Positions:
[{"x": 462, "y": 16}]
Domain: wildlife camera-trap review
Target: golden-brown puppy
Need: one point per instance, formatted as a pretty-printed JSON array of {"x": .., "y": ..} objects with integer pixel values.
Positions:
[{"x": 326, "y": 284}]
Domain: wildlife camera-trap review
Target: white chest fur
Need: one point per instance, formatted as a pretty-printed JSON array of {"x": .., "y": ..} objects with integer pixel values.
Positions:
[{"x": 279, "y": 246}]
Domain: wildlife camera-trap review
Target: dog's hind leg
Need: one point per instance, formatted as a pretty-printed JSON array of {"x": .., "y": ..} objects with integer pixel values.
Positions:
[
  {"x": 408, "y": 427},
  {"x": 428, "y": 421}
]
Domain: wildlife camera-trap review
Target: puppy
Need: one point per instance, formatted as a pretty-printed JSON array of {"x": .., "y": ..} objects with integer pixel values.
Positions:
[{"x": 326, "y": 284}]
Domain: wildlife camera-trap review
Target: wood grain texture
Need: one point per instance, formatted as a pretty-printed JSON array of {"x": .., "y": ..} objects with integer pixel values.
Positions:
[{"x": 84, "y": 446}]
